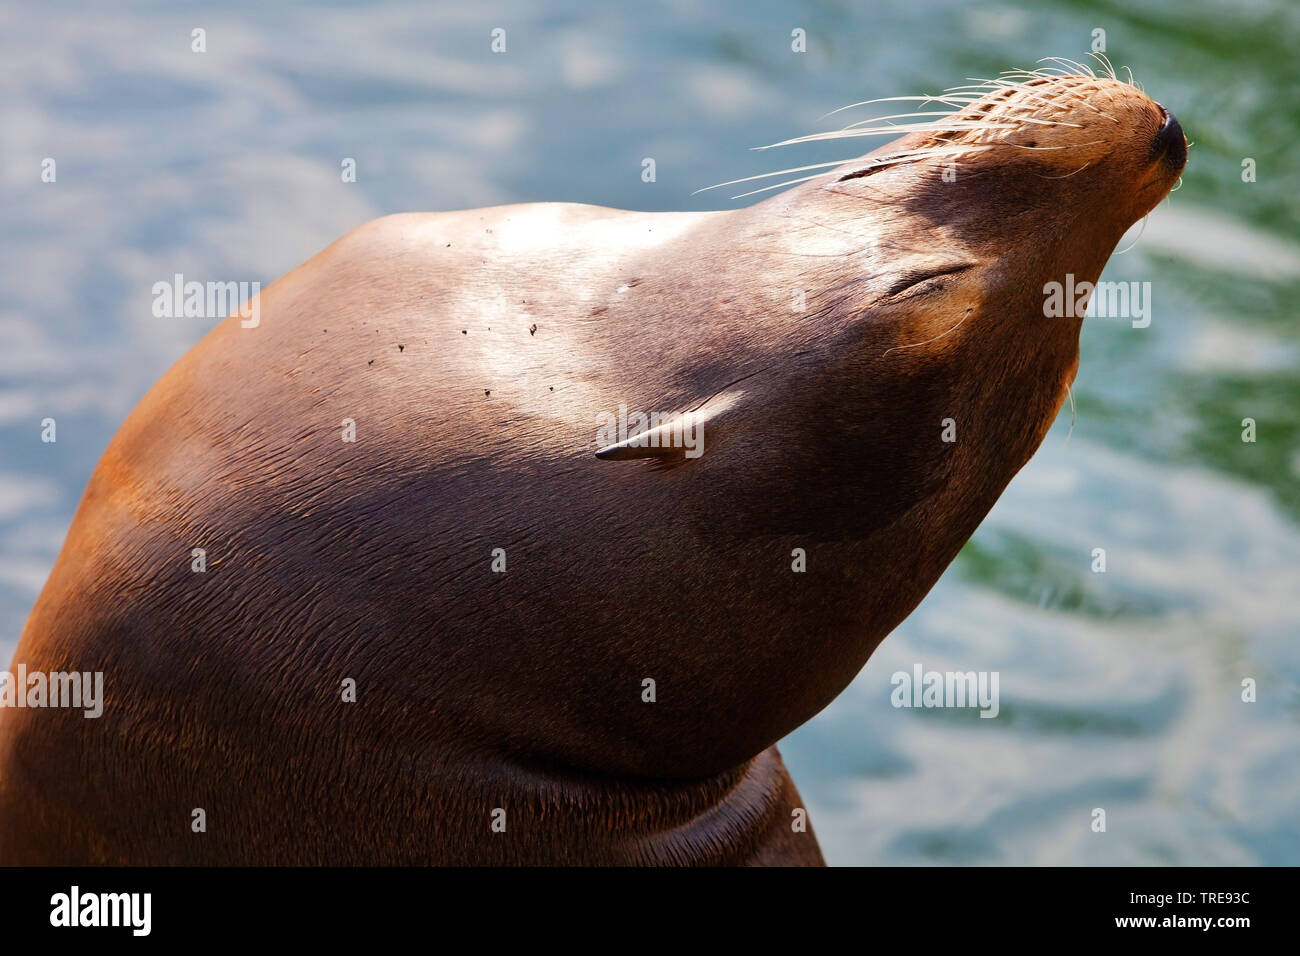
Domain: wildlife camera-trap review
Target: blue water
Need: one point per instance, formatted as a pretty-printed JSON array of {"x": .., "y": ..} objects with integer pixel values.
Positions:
[{"x": 1119, "y": 690}]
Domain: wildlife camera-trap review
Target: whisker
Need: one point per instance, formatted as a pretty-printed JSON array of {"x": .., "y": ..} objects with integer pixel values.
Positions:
[
  {"x": 929, "y": 152},
  {"x": 1043, "y": 122},
  {"x": 899, "y": 348},
  {"x": 925, "y": 152},
  {"x": 1016, "y": 108},
  {"x": 779, "y": 172},
  {"x": 1050, "y": 102},
  {"x": 1141, "y": 229},
  {"x": 1069, "y": 389},
  {"x": 893, "y": 130},
  {"x": 1083, "y": 100},
  {"x": 1083, "y": 66},
  {"x": 1105, "y": 59},
  {"x": 1072, "y": 64},
  {"x": 788, "y": 182},
  {"x": 907, "y": 156},
  {"x": 1007, "y": 103},
  {"x": 1068, "y": 175},
  {"x": 884, "y": 99},
  {"x": 894, "y": 116},
  {"x": 983, "y": 87},
  {"x": 957, "y": 114},
  {"x": 1072, "y": 67}
]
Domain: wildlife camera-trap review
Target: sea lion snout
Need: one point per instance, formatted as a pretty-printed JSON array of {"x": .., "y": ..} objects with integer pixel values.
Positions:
[
  {"x": 1170, "y": 143},
  {"x": 1053, "y": 141}
]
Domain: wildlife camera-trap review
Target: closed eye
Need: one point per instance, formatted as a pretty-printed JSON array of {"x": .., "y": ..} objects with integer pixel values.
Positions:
[{"x": 916, "y": 279}]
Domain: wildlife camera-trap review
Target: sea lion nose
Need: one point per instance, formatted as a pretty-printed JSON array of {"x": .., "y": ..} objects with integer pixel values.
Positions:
[{"x": 1170, "y": 142}]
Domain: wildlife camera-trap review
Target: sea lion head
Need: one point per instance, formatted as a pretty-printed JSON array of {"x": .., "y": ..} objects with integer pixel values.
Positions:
[
  {"x": 931, "y": 259},
  {"x": 923, "y": 272},
  {"x": 879, "y": 418},
  {"x": 876, "y": 421}
]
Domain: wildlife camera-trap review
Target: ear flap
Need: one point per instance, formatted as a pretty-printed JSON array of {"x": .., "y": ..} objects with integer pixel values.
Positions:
[{"x": 679, "y": 438}]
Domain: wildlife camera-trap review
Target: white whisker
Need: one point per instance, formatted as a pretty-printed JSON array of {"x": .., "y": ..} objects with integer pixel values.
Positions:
[
  {"x": 1141, "y": 229},
  {"x": 907, "y": 156},
  {"x": 959, "y": 119},
  {"x": 899, "y": 348},
  {"x": 1069, "y": 388},
  {"x": 1043, "y": 122},
  {"x": 1067, "y": 91},
  {"x": 1072, "y": 64},
  {"x": 1068, "y": 175},
  {"x": 1052, "y": 71},
  {"x": 894, "y": 116},
  {"x": 958, "y": 127},
  {"x": 788, "y": 182},
  {"x": 886, "y": 99},
  {"x": 779, "y": 172}
]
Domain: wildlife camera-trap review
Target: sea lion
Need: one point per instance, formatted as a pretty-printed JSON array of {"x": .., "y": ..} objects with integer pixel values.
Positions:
[{"x": 560, "y": 655}]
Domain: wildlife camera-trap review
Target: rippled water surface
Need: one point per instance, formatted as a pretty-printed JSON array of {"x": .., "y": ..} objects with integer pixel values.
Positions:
[{"x": 1118, "y": 690}]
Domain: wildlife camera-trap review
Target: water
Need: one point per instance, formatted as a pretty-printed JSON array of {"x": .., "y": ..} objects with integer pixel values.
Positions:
[{"x": 1119, "y": 690}]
